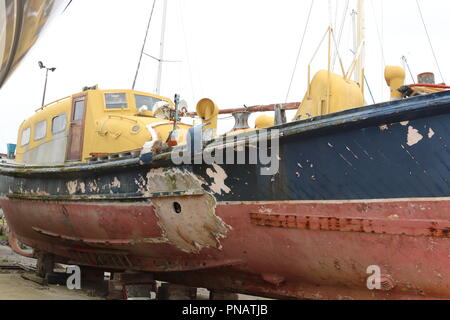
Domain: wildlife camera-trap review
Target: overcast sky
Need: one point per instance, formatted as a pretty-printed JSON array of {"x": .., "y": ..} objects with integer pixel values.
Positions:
[{"x": 235, "y": 52}]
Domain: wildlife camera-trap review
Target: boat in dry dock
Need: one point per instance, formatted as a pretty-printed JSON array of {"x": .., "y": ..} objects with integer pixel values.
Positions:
[{"x": 114, "y": 179}]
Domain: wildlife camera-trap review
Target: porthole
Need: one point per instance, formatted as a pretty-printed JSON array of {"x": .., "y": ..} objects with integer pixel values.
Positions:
[
  {"x": 135, "y": 129},
  {"x": 177, "y": 207}
]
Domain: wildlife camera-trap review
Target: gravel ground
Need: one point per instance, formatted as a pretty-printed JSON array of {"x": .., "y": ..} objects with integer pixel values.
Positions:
[{"x": 14, "y": 287}]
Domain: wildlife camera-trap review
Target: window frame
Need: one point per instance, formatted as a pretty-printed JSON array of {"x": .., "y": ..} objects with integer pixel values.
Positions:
[
  {"x": 75, "y": 109},
  {"x": 65, "y": 123},
  {"x": 125, "y": 94},
  {"x": 22, "y": 144},
  {"x": 45, "y": 132},
  {"x": 135, "y": 95}
]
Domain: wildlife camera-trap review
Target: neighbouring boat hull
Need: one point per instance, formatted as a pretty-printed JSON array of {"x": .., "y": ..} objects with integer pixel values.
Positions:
[
  {"x": 368, "y": 187},
  {"x": 21, "y": 24}
]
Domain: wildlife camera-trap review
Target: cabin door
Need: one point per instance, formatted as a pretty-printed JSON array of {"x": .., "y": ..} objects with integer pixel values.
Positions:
[{"x": 76, "y": 130}]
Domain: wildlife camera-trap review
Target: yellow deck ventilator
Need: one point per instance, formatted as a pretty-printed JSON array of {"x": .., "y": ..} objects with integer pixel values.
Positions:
[
  {"x": 395, "y": 79},
  {"x": 344, "y": 94},
  {"x": 208, "y": 111}
]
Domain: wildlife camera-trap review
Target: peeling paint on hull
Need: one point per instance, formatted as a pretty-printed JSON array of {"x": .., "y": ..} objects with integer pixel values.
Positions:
[{"x": 324, "y": 255}]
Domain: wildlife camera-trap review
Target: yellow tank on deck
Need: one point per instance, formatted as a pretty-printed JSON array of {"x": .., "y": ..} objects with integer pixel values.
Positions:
[
  {"x": 264, "y": 121},
  {"x": 344, "y": 94},
  {"x": 93, "y": 123}
]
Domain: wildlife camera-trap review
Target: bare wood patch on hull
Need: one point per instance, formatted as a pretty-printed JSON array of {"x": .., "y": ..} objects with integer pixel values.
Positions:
[{"x": 189, "y": 222}]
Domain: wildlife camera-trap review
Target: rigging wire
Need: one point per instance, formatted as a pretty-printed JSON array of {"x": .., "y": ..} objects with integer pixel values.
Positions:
[
  {"x": 409, "y": 69},
  {"x": 300, "y": 50},
  {"x": 319, "y": 46},
  {"x": 429, "y": 40},
  {"x": 330, "y": 13},
  {"x": 368, "y": 87},
  {"x": 70, "y": 2},
  {"x": 226, "y": 118},
  {"x": 187, "y": 51},
  {"x": 143, "y": 45},
  {"x": 341, "y": 30},
  {"x": 336, "y": 14}
]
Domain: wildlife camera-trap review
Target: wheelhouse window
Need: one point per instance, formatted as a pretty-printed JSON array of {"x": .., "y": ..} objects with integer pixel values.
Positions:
[
  {"x": 145, "y": 101},
  {"x": 59, "y": 123},
  {"x": 40, "y": 130},
  {"x": 78, "y": 113},
  {"x": 25, "y": 137},
  {"x": 116, "y": 101}
]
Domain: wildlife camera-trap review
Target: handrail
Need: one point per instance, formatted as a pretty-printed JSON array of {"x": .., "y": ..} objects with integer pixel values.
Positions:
[
  {"x": 259, "y": 108},
  {"x": 427, "y": 85},
  {"x": 49, "y": 104}
]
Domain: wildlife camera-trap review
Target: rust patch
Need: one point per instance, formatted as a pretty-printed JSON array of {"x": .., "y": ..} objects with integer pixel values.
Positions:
[{"x": 387, "y": 225}]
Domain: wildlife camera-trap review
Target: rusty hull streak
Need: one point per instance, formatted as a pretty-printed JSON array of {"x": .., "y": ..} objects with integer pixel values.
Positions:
[
  {"x": 107, "y": 242},
  {"x": 439, "y": 229}
]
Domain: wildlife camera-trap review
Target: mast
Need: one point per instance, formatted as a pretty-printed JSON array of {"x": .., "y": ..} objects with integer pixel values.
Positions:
[
  {"x": 355, "y": 42},
  {"x": 360, "y": 41},
  {"x": 161, "y": 52}
]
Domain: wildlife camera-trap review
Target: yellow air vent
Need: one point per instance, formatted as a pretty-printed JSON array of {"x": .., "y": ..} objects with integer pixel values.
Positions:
[{"x": 208, "y": 111}]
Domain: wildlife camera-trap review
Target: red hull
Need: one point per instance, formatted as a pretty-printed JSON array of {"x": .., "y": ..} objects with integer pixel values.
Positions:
[{"x": 313, "y": 250}]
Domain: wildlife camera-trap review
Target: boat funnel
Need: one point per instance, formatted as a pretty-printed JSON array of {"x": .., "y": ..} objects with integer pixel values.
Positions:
[
  {"x": 395, "y": 78},
  {"x": 426, "y": 78},
  {"x": 208, "y": 111}
]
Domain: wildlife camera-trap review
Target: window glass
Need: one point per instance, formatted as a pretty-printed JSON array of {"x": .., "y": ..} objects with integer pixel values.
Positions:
[
  {"x": 116, "y": 101},
  {"x": 59, "y": 123},
  {"x": 40, "y": 130},
  {"x": 147, "y": 101},
  {"x": 25, "y": 137},
  {"x": 78, "y": 113}
]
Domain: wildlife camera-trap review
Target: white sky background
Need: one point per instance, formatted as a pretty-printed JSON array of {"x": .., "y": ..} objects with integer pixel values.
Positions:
[{"x": 235, "y": 52}]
